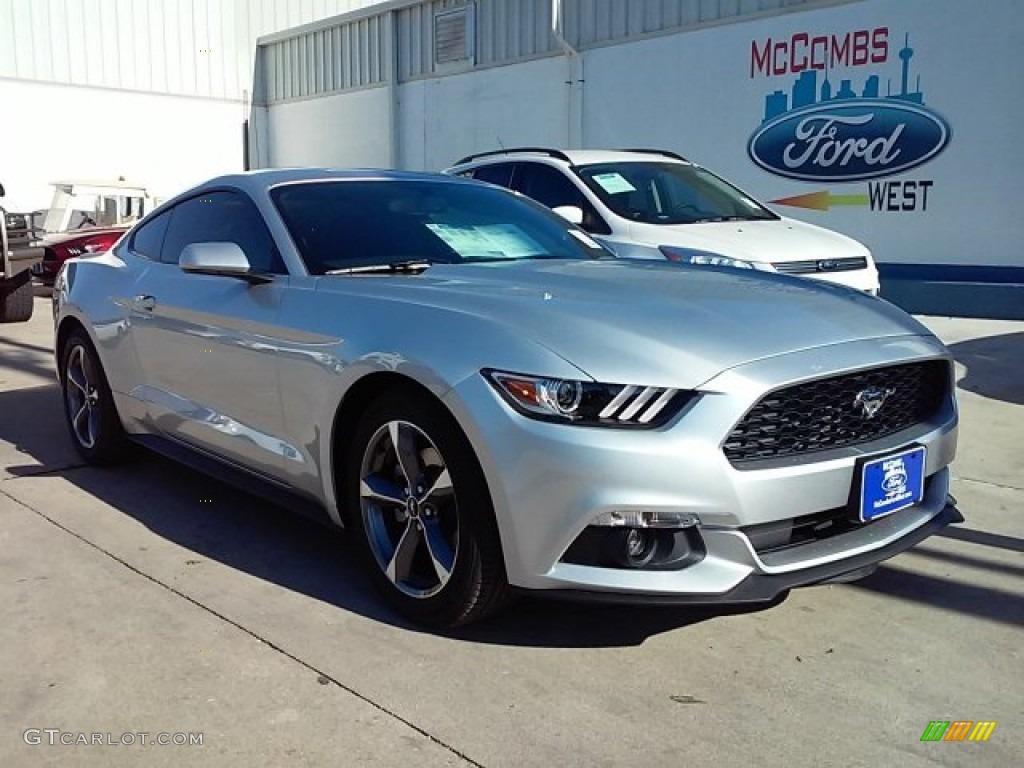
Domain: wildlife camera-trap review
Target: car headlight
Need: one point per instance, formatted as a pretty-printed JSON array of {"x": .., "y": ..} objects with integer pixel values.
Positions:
[
  {"x": 690, "y": 256},
  {"x": 588, "y": 403}
]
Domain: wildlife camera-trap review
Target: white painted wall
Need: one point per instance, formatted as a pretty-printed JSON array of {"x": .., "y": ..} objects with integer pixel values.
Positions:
[
  {"x": 57, "y": 132},
  {"x": 437, "y": 119},
  {"x": 443, "y": 119},
  {"x": 344, "y": 130}
]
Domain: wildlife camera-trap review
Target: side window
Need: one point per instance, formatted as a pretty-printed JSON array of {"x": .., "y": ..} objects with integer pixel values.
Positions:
[
  {"x": 222, "y": 217},
  {"x": 498, "y": 173},
  {"x": 550, "y": 187},
  {"x": 149, "y": 238}
]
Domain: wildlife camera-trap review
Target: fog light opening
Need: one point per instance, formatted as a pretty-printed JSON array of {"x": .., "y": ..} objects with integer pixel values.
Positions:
[{"x": 638, "y": 546}]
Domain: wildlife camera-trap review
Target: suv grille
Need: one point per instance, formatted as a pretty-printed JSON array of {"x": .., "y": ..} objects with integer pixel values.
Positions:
[
  {"x": 823, "y": 414},
  {"x": 820, "y": 265}
]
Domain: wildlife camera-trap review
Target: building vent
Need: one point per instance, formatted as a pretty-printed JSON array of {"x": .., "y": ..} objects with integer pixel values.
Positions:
[{"x": 454, "y": 35}]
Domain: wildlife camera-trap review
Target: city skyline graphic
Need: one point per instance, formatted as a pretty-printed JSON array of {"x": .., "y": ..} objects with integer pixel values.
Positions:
[{"x": 805, "y": 91}]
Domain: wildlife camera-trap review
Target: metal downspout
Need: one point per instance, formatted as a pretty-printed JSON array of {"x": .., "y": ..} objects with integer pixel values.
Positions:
[
  {"x": 394, "y": 121},
  {"x": 575, "y": 81}
]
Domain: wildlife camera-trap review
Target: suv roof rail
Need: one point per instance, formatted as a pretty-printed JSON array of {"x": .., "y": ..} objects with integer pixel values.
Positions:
[
  {"x": 662, "y": 152},
  {"x": 513, "y": 150}
]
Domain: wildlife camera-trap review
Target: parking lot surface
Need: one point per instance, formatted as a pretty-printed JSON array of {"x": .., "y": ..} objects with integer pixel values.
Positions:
[{"x": 149, "y": 599}]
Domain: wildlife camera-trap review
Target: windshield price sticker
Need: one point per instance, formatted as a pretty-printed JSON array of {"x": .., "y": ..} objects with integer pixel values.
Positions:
[
  {"x": 613, "y": 183},
  {"x": 491, "y": 241}
]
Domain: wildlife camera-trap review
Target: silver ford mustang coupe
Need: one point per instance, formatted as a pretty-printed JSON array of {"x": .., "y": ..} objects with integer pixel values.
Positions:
[{"x": 490, "y": 403}]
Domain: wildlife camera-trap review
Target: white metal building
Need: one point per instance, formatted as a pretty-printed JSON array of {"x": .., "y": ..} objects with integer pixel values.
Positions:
[
  {"x": 153, "y": 90},
  {"x": 893, "y": 121}
]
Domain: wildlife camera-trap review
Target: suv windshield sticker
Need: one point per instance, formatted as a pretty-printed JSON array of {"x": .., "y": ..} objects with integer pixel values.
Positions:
[
  {"x": 505, "y": 241},
  {"x": 613, "y": 183}
]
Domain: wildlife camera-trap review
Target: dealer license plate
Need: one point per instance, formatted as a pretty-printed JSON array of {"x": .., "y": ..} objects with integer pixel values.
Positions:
[{"x": 891, "y": 483}]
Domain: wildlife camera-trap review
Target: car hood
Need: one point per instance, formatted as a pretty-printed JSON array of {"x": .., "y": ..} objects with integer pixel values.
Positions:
[
  {"x": 771, "y": 241},
  {"x": 643, "y": 322}
]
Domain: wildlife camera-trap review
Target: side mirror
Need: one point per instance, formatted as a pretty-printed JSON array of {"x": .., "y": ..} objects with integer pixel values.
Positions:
[
  {"x": 571, "y": 213},
  {"x": 223, "y": 259},
  {"x": 2, "y": 192}
]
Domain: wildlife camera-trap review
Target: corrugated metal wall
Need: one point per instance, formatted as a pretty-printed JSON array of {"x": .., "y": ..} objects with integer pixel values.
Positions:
[
  {"x": 353, "y": 51},
  {"x": 592, "y": 22},
  {"x": 205, "y": 47},
  {"x": 506, "y": 31},
  {"x": 331, "y": 58},
  {"x": 185, "y": 47},
  {"x": 511, "y": 30}
]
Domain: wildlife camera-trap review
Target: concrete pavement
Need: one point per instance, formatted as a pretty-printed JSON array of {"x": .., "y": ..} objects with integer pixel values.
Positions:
[{"x": 149, "y": 598}]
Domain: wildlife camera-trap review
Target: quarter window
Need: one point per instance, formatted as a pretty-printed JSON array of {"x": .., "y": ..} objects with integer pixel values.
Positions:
[{"x": 149, "y": 238}]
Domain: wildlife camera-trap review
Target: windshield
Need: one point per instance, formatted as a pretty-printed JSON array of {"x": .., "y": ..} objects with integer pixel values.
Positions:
[
  {"x": 338, "y": 225},
  {"x": 669, "y": 193}
]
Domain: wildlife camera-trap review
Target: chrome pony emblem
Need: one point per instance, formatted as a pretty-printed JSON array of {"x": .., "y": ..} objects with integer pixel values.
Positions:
[{"x": 871, "y": 400}]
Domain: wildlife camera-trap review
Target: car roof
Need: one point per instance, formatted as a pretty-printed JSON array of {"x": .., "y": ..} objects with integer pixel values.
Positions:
[
  {"x": 573, "y": 156},
  {"x": 252, "y": 181},
  {"x": 257, "y": 183}
]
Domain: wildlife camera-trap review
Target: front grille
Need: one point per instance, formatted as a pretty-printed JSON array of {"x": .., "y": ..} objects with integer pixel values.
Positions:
[
  {"x": 824, "y": 414},
  {"x": 820, "y": 265}
]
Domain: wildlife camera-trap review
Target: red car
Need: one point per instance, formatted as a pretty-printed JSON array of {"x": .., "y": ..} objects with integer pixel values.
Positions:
[
  {"x": 87, "y": 217},
  {"x": 67, "y": 245}
]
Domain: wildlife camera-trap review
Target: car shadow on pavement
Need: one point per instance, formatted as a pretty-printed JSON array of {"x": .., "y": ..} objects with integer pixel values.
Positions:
[
  {"x": 538, "y": 622},
  {"x": 27, "y": 358},
  {"x": 995, "y": 366},
  {"x": 947, "y": 594},
  {"x": 274, "y": 544},
  {"x": 221, "y": 523},
  {"x": 1012, "y": 543},
  {"x": 32, "y": 424}
]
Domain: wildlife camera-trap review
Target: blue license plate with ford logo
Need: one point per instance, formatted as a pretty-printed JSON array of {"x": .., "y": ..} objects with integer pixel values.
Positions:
[{"x": 891, "y": 483}]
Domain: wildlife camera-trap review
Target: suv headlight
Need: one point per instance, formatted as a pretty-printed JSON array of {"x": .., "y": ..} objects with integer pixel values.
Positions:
[
  {"x": 690, "y": 256},
  {"x": 588, "y": 403}
]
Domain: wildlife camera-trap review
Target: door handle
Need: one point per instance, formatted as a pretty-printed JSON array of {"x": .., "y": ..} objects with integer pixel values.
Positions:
[{"x": 147, "y": 303}]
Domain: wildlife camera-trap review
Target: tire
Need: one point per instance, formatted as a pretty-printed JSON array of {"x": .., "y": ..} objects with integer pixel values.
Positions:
[
  {"x": 89, "y": 410},
  {"x": 435, "y": 555},
  {"x": 16, "y": 306}
]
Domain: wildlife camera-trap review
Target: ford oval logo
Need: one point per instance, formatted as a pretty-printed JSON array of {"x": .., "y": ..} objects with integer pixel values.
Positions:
[
  {"x": 895, "y": 481},
  {"x": 849, "y": 140}
]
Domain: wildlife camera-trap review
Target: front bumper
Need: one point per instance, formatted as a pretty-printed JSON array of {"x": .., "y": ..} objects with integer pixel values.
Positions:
[
  {"x": 764, "y": 586},
  {"x": 549, "y": 481}
]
